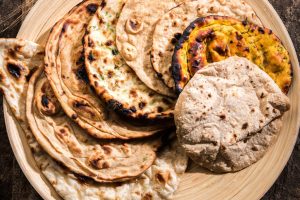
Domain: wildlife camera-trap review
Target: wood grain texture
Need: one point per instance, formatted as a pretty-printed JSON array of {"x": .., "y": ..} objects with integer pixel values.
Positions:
[{"x": 13, "y": 184}]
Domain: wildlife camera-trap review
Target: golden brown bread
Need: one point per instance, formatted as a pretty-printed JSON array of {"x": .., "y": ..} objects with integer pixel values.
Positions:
[
  {"x": 215, "y": 38},
  {"x": 66, "y": 142}
]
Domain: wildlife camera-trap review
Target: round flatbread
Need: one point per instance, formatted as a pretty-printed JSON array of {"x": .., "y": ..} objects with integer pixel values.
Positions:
[
  {"x": 103, "y": 161},
  {"x": 170, "y": 27},
  {"x": 66, "y": 73},
  {"x": 215, "y": 38},
  {"x": 227, "y": 115},
  {"x": 135, "y": 28},
  {"x": 113, "y": 80}
]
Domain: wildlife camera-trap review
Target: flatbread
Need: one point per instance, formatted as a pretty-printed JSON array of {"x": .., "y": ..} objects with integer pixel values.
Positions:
[
  {"x": 134, "y": 29},
  {"x": 114, "y": 81},
  {"x": 66, "y": 73},
  {"x": 226, "y": 109},
  {"x": 103, "y": 161},
  {"x": 170, "y": 27},
  {"x": 215, "y": 38},
  {"x": 18, "y": 60},
  {"x": 160, "y": 181}
]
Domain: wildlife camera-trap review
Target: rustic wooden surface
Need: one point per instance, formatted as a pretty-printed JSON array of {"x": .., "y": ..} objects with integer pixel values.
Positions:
[{"x": 14, "y": 185}]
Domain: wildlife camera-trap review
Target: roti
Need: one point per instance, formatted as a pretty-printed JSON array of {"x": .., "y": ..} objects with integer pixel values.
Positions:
[
  {"x": 113, "y": 80},
  {"x": 171, "y": 25},
  {"x": 215, "y": 38},
  {"x": 66, "y": 73},
  {"x": 135, "y": 29},
  {"x": 228, "y": 114}
]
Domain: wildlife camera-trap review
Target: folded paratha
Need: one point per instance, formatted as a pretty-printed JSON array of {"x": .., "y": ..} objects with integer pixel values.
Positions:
[
  {"x": 114, "y": 81},
  {"x": 160, "y": 181},
  {"x": 66, "y": 73},
  {"x": 215, "y": 38},
  {"x": 229, "y": 114},
  {"x": 171, "y": 25},
  {"x": 103, "y": 161},
  {"x": 134, "y": 31}
]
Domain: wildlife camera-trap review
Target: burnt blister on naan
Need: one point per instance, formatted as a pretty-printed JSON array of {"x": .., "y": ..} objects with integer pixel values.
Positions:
[
  {"x": 215, "y": 38},
  {"x": 92, "y": 8},
  {"x": 15, "y": 70},
  {"x": 46, "y": 101}
]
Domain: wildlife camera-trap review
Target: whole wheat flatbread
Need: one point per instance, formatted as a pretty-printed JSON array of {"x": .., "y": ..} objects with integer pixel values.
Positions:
[
  {"x": 226, "y": 116},
  {"x": 134, "y": 31},
  {"x": 66, "y": 73},
  {"x": 171, "y": 25}
]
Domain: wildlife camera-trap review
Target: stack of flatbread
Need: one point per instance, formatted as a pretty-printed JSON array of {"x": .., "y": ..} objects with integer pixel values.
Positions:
[
  {"x": 90, "y": 147},
  {"x": 97, "y": 102}
]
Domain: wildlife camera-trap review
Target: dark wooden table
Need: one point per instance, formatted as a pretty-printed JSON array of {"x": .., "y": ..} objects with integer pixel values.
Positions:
[{"x": 13, "y": 183}]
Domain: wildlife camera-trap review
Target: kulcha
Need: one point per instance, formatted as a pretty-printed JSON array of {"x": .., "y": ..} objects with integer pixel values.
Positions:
[{"x": 114, "y": 81}]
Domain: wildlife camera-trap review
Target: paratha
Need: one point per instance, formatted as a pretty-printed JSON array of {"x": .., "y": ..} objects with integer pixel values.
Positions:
[
  {"x": 114, "y": 81},
  {"x": 160, "y": 181},
  {"x": 170, "y": 27},
  {"x": 103, "y": 161},
  {"x": 134, "y": 29},
  {"x": 214, "y": 38},
  {"x": 66, "y": 73},
  {"x": 229, "y": 114}
]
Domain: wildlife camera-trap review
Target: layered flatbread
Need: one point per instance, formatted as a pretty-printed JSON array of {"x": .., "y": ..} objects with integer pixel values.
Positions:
[
  {"x": 160, "y": 181},
  {"x": 102, "y": 161},
  {"x": 66, "y": 73}
]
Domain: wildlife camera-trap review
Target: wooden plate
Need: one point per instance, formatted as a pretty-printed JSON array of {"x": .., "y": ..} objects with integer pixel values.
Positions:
[{"x": 250, "y": 183}]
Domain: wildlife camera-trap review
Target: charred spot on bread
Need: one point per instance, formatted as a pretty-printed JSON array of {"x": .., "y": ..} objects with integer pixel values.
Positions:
[
  {"x": 81, "y": 74},
  {"x": 15, "y": 69},
  {"x": 92, "y": 8}
]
